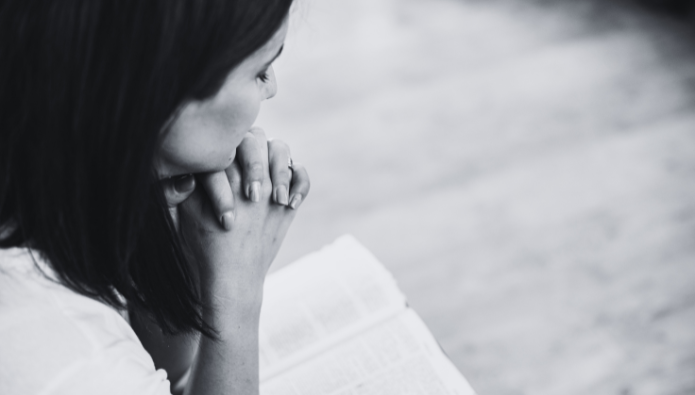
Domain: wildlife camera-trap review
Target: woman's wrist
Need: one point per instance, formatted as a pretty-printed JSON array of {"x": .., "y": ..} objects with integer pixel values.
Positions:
[{"x": 231, "y": 298}]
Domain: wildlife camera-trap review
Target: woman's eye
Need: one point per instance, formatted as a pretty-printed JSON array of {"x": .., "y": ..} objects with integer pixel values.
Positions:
[{"x": 264, "y": 76}]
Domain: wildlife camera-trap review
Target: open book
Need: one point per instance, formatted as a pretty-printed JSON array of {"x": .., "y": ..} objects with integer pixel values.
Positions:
[{"x": 335, "y": 322}]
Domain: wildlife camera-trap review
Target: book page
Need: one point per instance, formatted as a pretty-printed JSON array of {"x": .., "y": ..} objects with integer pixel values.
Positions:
[
  {"x": 321, "y": 300},
  {"x": 398, "y": 357}
]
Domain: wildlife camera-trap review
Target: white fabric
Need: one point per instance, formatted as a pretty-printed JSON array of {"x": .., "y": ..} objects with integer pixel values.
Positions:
[{"x": 55, "y": 341}]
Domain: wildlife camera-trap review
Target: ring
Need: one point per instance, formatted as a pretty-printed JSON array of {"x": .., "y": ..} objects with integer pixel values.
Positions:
[{"x": 290, "y": 164}]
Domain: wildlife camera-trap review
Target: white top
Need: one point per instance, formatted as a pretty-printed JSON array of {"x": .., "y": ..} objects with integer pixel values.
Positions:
[{"x": 55, "y": 341}]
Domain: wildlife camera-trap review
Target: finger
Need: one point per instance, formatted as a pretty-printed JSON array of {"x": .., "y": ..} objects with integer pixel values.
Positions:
[
  {"x": 195, "y": 206},
  {"x": 195, "y": 215},
  {"x": 280, "y": 173},
  {"x": 250, "y": 156},
  {"x": 177, "y": 189},
  {"x": 235, "y": 178},
  {"x": 262, "y": 140},
  {"x": 300, "y": 185},
  {"x": 219, "y": 192}
]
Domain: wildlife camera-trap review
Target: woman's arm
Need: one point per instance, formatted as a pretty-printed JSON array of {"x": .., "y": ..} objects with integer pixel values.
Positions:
[
  {"x": 234, "y": 311},
  {"x": 233, "y": 269},
  {"x": 237, "y": 348},
  {"x": 229, "y": 365},
  {"x": 175, "y": 354}
]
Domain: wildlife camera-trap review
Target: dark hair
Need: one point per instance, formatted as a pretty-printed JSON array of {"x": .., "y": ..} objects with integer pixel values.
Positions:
[{"x": 86, "y": 86}]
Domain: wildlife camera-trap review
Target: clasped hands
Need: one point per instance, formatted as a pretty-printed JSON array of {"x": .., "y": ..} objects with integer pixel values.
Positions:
[{"x": 236, "y": 222}]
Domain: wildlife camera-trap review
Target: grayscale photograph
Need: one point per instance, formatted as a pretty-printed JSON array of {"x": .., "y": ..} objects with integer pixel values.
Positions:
[{"x": 356, "y": 197}]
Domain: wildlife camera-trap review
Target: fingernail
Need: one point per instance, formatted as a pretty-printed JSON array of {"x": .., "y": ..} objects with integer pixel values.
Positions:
[
  {"x": 282, "y": 195},
  {"x": 296, "y": 200},
  {"x": 255, "y": 191},
  {"x": 184, "y": 184},
  {"x": 226, "y": 220}
]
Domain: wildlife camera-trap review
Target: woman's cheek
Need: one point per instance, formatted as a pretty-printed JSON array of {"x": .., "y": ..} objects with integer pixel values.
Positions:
[
  {"x": 206, "y": 135},
  {"x": 196, "y": 149},
  {"x": 245, "y": 109}
]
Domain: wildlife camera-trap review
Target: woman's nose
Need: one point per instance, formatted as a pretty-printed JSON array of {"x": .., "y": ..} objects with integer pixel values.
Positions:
[{"x": 271, "y": 86}]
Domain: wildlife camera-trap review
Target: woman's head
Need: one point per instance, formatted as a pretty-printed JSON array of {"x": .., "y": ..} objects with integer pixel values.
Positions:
[
  {"x": 86, "y": 87},
  {"x": 203, "y": 135}
]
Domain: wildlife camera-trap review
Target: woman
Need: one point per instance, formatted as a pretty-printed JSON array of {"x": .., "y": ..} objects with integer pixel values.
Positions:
[{"x": 106, "y": 109}]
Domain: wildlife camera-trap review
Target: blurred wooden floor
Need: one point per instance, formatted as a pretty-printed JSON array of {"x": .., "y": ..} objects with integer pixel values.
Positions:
[{"x": 526, "y": 169}]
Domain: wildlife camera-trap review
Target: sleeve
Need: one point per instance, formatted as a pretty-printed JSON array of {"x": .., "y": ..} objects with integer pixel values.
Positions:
[{"x": 116, "y": 370}]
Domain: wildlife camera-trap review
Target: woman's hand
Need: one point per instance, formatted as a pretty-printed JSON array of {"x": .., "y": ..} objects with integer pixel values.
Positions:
[
  {"x": 175, "y": 353},
  {"x": 290, "y": 186},
  {"x": 242, "y": 252},
  {"x": 234, "y": 263}
]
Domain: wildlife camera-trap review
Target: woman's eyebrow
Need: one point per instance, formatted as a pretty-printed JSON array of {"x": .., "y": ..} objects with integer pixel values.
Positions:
[{"x": 274, "y": 57}]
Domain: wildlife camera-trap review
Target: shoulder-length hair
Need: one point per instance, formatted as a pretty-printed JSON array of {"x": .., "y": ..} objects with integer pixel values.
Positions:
[{"x": 86, "y": 86}]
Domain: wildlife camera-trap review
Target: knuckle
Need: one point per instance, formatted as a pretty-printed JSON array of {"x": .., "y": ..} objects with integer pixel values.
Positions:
[
  {"x": 236, "y": 183},
  {"x": 254, "y": 166},
  {"x": 247, "y": 143},
  {"x": 300, "y": 171},
  {"x": 305, "y": 179},
  {"x": 219, "y": 199},
  {"x": 257, "y": 131},
  {"x": 279, "y": 145},
  {"x": 249, "y": 138},
  {"x": 283, "y": 174}
]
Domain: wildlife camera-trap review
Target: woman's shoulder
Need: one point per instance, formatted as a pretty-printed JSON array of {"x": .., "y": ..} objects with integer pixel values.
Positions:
[{"x": 52, "y": 337}]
